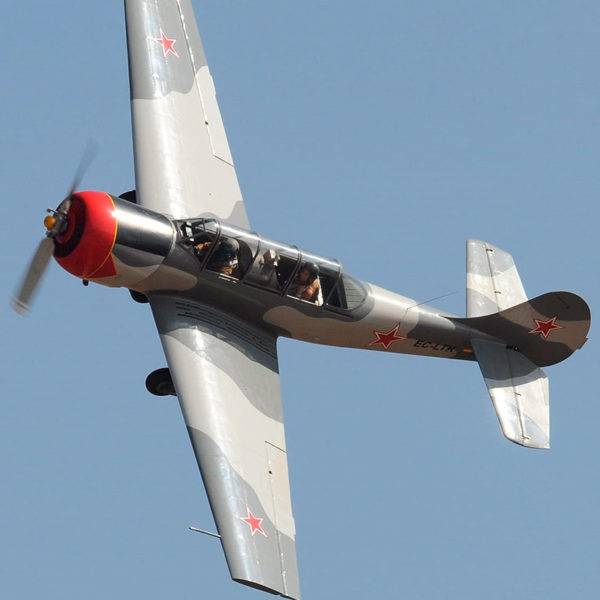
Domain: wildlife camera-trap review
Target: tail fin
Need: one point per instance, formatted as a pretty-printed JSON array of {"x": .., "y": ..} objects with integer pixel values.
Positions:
[{"x": 528, "y": 335}]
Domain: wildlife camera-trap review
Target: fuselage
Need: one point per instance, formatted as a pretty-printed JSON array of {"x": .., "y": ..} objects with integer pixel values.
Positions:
[{"x": 213, "y": 267}]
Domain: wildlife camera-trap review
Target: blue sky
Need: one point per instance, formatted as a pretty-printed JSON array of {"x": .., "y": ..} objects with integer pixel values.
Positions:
[{"x": 382, "y": 133}]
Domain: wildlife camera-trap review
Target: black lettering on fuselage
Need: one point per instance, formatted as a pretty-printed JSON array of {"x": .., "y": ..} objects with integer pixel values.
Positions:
[{"x": 434, "y": 346}]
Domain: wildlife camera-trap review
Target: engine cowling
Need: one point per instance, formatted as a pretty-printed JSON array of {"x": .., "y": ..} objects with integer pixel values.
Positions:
[
  {"x": 85, "y": 248},
  {"x": 112, "y": 241}
]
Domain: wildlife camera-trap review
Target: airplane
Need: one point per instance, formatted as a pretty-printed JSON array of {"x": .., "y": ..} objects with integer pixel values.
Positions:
[{"x": 221, "y": 295}]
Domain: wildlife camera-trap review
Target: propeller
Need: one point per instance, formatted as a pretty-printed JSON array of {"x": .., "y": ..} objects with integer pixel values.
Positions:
[
  {"x": 22, "y": 300},
  {"x": 56, "y": 223}
]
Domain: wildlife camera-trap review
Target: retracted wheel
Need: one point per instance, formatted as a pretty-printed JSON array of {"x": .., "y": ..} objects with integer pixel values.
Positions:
[{"x": 159, "y": 383}]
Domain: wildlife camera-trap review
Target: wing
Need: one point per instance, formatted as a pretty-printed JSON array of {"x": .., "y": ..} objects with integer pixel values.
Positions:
[
  {"x": 227, "y": 381},
  {"x": 183, "y": 166}
]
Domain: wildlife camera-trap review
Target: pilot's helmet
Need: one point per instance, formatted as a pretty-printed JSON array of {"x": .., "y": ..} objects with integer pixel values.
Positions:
[{"x": 229, "y": 248}]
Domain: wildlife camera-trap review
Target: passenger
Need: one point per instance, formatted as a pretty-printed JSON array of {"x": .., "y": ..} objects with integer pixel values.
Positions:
[
  {"x": 265, "y": 270},
  {"x": 225, "y": 258},
  {"x": 202, "y": 244},
  {"x": 306, "y": 283}
]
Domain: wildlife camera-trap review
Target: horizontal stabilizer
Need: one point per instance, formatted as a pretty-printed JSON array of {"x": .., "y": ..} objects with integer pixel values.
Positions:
[
  {"x": 493, "y": 282},
  {"x": 519, "y": 391}
]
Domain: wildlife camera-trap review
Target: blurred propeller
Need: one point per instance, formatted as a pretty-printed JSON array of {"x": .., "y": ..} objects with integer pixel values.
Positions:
[
  {"x": 56, "y": 223},
  {"x": 22, "y": 301},
  {"x": 87, "y": 158}
]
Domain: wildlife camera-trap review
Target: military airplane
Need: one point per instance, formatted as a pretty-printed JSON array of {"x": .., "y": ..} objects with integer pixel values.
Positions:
[{"x": 221, "y": 295}]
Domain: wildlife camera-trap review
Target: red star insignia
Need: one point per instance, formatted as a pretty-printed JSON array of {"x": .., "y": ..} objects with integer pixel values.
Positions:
[
  {"x": 388, "y": 338},
  {"x": 254, "y": 522},
  {"x": 167, "y": 44},
  {"x": 545, "y": 327}
]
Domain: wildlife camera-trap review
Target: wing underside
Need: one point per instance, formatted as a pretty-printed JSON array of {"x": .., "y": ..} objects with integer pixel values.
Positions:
[
  {"x": 227, "y": 381},
  {"x": 183, "y": 165}
]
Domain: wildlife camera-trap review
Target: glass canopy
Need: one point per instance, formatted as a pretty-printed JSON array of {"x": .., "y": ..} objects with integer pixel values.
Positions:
[{"x": 286, "y": 270}]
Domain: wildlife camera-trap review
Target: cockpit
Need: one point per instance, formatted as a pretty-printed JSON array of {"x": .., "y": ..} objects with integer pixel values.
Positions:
[{"x": 281, "y": 269}]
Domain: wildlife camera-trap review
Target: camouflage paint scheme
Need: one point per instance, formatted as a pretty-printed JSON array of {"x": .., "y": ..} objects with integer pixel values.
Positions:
[
  {"x": 183, "y": 166},
  {"x": 219, "y": 333}
]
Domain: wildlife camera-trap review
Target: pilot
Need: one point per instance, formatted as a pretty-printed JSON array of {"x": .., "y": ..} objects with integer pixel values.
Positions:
[
  {"x": 225, "y": 258},
  {"x": 202, "y": 243},
  {"x": 306, "y": 283}
]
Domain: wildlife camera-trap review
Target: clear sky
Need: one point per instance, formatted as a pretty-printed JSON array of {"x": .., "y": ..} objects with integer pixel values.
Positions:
[{"x": 384, "y": 133}]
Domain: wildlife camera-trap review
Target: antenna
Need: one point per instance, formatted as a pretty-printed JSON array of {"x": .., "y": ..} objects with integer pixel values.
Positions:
[{"x": 192, "y": 528}]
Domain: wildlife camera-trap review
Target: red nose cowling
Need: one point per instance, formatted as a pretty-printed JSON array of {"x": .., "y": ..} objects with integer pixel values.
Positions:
[{"x": 85, "y": 248}]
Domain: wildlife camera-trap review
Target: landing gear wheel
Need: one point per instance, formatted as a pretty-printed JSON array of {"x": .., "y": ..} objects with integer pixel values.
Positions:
[{"x": 159, "y": 383}]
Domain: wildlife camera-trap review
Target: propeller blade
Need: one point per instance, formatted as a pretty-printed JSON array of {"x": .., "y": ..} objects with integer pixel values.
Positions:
[
  {"x": 88, "y": 156},
  {"x": 22, "y": 301},
  {"x": 39, "y": 263}
]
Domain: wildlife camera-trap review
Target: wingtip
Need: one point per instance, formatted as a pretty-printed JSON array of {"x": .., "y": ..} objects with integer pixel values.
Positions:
[{"x": 526, "y": 442}]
